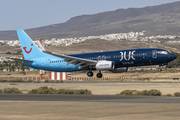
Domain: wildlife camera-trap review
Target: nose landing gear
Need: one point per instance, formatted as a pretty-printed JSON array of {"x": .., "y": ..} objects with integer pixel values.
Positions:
[{"x": 159, "y": 69}]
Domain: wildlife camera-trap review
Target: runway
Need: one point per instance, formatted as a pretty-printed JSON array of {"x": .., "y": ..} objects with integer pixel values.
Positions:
[
  {"x": 89, "y": 98},
  {"x": 91, "y": 107}
]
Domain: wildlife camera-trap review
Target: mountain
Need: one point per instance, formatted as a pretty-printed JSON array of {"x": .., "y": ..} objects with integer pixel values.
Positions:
[{"x": 161, "y": 19}]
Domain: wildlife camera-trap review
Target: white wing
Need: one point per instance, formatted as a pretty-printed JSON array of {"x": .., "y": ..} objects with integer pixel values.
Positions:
[{"x": 84, "y": 63}]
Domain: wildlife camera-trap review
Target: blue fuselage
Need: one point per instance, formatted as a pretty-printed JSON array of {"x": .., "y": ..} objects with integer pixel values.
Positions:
[{"x": 121, "y": 58}]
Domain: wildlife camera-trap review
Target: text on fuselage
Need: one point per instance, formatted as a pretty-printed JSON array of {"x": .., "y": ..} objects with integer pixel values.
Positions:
[{"x": 126, "y": 57}]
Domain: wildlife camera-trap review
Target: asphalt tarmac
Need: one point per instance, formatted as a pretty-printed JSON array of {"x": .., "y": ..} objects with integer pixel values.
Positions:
[
  {"x": 89, "y": 98},
  {"x": 87, "y": 107},
  {"x": 90, "y": 107}
]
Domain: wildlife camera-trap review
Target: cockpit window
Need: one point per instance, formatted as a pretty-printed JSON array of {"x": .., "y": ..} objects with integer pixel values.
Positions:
[{"x": 163, "y": 52}]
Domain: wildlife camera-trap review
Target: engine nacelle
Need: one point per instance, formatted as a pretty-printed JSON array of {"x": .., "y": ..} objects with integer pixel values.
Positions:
[
  {"x": 105, "y": 65},
  {"x": 120, "y": 70}
]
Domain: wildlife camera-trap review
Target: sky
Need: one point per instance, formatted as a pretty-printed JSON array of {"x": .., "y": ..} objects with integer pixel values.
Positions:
[{"x": 25, "y": 14}]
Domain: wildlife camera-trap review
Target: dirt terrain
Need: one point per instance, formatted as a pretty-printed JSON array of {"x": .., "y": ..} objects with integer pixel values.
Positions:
[
  {"x": 63, "y": 110},
  {"x": 51, "y": 110},
  {"x": 129, "y": 76},
  {"x": 105, "y": 87},
  {"x": 96, "y": 45},
  {"x": 137, "y": 75}
]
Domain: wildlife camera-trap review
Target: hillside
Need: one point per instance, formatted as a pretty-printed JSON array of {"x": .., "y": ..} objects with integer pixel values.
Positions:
[
  {"x": 161, "y": 19},
  {"x": 97, "y": 45}
]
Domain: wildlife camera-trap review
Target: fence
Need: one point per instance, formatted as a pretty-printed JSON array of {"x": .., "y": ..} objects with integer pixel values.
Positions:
[{"x": 103, "y": 78}]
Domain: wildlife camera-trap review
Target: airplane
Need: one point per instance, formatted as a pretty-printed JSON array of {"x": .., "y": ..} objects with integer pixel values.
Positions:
[{"x": 114, "y": 61}]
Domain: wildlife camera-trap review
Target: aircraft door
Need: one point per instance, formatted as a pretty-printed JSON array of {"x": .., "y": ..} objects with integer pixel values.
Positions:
[
  {"x": 43, "y": 63},
  {"x": 99, "y": 58},
  {"x": 154, "y": 54},
  {"x": 103, "y": 57}
]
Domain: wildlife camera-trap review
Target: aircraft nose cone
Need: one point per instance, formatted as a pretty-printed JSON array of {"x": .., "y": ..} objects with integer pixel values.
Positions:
[{"x": 173, "y": 56}]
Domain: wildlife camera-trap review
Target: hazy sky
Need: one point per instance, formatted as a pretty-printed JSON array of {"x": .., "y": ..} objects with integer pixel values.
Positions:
[{"x": 24, "y": 14}]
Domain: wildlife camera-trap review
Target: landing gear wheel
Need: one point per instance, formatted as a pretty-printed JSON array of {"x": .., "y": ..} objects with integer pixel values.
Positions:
[
  {"x": 99, "y": 75},
  {"x": 90, "y": 74}
]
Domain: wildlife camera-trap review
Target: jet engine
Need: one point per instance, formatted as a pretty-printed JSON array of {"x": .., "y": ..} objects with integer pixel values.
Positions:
[{"x": 105, "y": 65}]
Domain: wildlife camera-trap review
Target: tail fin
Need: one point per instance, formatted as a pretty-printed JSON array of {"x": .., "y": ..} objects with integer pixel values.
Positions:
[{"x": 29, "y": 48}]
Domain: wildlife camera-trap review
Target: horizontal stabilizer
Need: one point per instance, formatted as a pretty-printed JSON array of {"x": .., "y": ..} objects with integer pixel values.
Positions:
[{"x": 20, "y": 59}]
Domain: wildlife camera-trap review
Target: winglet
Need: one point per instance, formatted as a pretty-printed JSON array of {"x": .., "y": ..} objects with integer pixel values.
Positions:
[{"x": 41, "y": 46}]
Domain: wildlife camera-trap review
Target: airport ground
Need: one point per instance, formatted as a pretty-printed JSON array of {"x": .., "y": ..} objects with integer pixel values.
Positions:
[
  {"x": 93, "y": 108},
  {"x": 104, "y": 108},
  {"x": 99, "y": 88},
  {"x": 138, "y": 81}
]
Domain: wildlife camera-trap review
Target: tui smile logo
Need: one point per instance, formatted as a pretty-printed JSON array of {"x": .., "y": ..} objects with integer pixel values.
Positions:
[{"x": 26, "y": 50}]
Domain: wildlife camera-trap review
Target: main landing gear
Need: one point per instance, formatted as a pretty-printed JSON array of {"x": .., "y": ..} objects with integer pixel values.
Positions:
[
  {"x": 99, "y": 75},
  {"x": 90, "y": 74}
]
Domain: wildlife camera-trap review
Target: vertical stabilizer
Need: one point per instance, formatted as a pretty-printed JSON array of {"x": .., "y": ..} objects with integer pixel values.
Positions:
[{"x": 29, "y": 48}]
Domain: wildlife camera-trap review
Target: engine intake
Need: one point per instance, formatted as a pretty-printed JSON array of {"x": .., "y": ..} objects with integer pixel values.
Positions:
[{"x": 105, "y": 65}]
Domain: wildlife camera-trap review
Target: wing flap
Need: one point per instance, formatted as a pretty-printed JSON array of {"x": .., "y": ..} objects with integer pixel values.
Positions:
[{"x": 79, "y": 64}]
